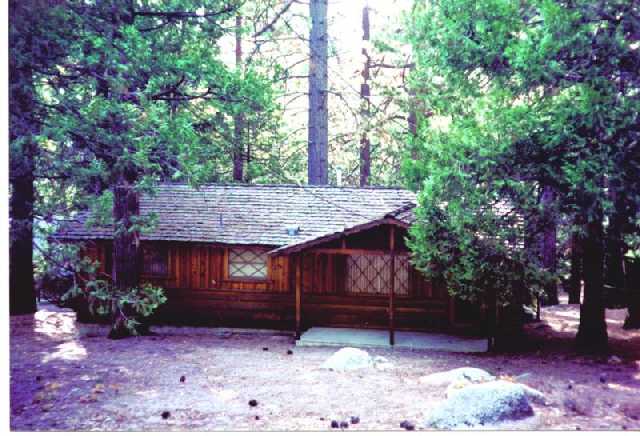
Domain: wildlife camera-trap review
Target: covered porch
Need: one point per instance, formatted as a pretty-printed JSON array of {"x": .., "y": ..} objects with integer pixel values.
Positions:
[{"x": 362, "y": 278}]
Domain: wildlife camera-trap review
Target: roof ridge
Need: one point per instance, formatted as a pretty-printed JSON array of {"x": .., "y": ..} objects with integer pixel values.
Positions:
[
  {"x": 284, "y": 185},
  {"x": 405, "y": 207}
]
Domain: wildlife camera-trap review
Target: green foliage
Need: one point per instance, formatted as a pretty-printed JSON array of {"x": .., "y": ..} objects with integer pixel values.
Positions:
[
  {"x": 131, "y": 305},
  {"x": 144, "y": 93},
  {"x": 130, "y": 93},
  {"x": 519, "y": 96},
  {"x": 69, "y": 279}
]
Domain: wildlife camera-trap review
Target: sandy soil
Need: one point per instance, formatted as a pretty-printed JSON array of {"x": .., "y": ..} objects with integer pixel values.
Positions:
[{"x": 62, "y": 379}]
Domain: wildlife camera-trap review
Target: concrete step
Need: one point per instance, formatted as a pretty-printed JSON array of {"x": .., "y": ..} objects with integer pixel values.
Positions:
[{"x": 363, "y": 338}]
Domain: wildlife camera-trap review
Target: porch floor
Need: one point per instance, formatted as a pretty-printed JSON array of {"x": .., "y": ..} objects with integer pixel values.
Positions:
[{"x": 347, "y": 337}]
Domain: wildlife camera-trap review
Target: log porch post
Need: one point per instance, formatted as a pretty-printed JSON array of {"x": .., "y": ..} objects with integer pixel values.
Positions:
[
  {"x": 298, "y": 293},
  {"x": 392, "y": 243}
]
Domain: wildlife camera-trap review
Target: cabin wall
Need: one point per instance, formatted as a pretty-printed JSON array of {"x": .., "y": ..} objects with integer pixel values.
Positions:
[
  {"x": 326, "y": 300},
  {"x": 200, "y": 291}
]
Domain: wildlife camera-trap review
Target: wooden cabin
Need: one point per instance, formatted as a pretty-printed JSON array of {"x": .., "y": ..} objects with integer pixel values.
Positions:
[{"x": 284, "y": 256}]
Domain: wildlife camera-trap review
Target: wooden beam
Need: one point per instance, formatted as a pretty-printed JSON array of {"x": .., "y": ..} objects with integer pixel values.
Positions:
[
  {"x": 225, "y": 264},
  {"x": 321, "y": 240},
  {"x": 313, "y": 271},
  {"x": 392, "y": 239},
  {"x": 298, "y": 294},
  {"x": 361, "y": 251}
]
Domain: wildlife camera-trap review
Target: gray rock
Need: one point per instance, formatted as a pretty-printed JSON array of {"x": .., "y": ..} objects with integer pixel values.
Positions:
[
  {"x": 347, "y": 359},
  {"x": 523, "y": 376},
  {"x": 484, "y": 404},
  {"x": 467, "y": 374},
  {"x": 614, "y": 360}
]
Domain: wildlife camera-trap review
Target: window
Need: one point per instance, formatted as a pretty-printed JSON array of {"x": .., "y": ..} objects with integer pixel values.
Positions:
[
  {"x": 247, "y": 263},
  {"x": 371, "y": 275},
  {"x": 155, "y": 260}
]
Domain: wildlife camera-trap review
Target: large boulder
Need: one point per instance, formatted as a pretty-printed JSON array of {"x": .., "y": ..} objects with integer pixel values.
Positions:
[
  {"x": 458, "y": 375},
  {"x": 347, "y": 359},
  {"x": 482, "y": 404}
]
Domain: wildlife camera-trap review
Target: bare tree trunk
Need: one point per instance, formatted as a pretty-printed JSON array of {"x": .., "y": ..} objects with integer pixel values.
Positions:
[
  {"x": 575, "y": 277},
  {"x": 318, "y": 159},
  {"x": 549, "y": 244},
  {"x": 365, "y": 93},
  {"x": 615, "y": 246},
  {"x": 238, "y": 119},
  {"x": 632, "y": 321},
  {"x": 592, "y": 332},
  {"x": 126, "y": 250},
  {"x": 632, "y": 274},
  {"x": 632, "y": 284},
  {"x": 22, "y": 295},
  {"x": 412, "y": 122},
  {"x": 492, "y": 319},
  {"x": 412, "y": 119}
]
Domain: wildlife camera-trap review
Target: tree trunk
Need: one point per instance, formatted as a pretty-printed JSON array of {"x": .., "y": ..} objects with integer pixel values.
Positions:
[
  {"x": 592, "y": 332},
  {"x": 509, "y": 334},
  {"x": 549, "y": 246},
  {"x": 632, "y": 321},
  {"x": 492, "y": 319},
  {"x": 412, "y": 119},
  {"x": 575, "y": 277},
  {"x": 318, "y": 158},
  {"x": 365, "y": 144},
  {"x": 126, "y": 251},
  {"x": 238, "y": 119},
  {"x": 22, "y": 295},
  {"x": 412, "y": 124},
  {"x": 614, "y": 271},
  {"x": 633, "y": 288}
]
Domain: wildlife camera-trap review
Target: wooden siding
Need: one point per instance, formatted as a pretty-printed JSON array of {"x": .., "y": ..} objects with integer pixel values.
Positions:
[
  {"x": 205, "y": 267},
  {"x": 200, "y": 291}
]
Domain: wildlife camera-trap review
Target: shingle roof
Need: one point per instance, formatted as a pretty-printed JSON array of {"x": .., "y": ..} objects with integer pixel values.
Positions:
[{"x": 257, "y": 214}]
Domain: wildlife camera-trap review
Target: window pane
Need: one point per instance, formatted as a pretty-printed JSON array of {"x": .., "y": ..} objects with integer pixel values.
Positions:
[
  {"x": 371, "y": 275},
  {"x": 247, "y": 263},
  {"x": 155, "y": 260}
]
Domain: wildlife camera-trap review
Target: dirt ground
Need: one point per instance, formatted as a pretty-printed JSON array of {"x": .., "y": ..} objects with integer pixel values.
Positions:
[{"x": 64, "y": 379}]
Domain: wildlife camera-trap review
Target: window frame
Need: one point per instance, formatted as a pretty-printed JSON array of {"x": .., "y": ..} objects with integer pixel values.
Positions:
[
  {"x": 160, "y": 250},
  {"x": 248, "y": 278},
  {"x": 373, "y": 268}
]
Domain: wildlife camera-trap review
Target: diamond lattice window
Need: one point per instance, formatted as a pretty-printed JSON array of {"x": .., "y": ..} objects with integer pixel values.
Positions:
[
  {"x": 247, "y": 263},
  {"x": 371, "y": 275}
]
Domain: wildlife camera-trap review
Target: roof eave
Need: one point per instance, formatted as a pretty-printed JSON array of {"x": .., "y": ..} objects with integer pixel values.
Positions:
[{"x": 299, "y": 246}]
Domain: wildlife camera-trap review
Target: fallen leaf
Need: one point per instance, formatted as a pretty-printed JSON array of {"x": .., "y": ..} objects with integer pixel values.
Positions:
[{"x": 89, "y": 398}]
